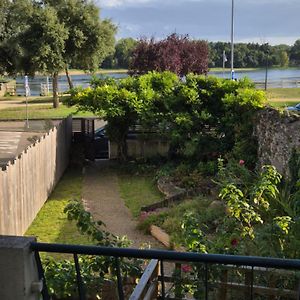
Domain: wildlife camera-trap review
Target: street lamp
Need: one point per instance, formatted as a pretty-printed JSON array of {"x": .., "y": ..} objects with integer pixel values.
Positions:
[{"x": 232, "y": 41}]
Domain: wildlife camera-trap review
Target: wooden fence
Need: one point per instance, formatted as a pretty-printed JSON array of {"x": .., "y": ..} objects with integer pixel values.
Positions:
[{"x": 26, "y": 182}]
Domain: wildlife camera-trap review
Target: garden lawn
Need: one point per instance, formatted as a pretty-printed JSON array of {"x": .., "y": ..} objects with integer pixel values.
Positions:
[
  {"x": 283, "y": 97},
  {"x": 138, "y": 191},
  {"x": 285, "y": 93},
  {"x": 51, "y": 224},
  {"x": 283, "y": 104},
  {"x": 39, "y": 112}
]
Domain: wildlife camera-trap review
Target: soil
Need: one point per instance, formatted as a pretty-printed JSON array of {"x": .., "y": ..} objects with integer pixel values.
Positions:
[{"x": 102, "y": 199}]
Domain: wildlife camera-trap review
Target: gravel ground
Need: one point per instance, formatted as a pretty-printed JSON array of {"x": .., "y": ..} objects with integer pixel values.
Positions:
[{"x": 102, "y": 198}]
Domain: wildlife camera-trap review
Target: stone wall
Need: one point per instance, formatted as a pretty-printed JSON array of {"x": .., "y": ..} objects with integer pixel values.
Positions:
[{"x": 278, "y": 133}]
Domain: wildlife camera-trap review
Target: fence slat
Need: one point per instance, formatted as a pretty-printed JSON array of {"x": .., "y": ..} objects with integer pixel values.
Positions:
[{"x": 27, "y": 183}]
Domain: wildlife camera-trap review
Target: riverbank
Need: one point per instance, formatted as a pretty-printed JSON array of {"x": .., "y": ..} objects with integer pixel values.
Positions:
[{"x": 100, "y": 71}]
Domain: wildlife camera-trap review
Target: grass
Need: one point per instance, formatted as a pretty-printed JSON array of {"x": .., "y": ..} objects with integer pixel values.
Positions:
[
  {"x": 235, "y": 69},
  {"x": 99, "y": 71},
  {"x": 282, "y": 97},
  {"x": 40, "y": 112},
  {"x": 31, "y": 99},
  {"x": 282, "y": 104},
  {"x": 285, "y": 93},
  {"x": 51, "y": 224},
  {"x": 138, "y": 191}
]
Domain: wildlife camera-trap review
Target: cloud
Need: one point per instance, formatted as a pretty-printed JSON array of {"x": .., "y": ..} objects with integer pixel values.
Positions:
[
  {"x": 119, "y": 3},
  {"x": 257, "y": 20}
]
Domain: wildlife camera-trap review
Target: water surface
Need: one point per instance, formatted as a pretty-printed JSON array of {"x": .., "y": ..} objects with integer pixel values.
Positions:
[{"x": 282, "y": 78}]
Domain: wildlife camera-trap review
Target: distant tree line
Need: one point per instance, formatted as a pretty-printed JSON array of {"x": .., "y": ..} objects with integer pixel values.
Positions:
[
  {"x": 250, "y": 55},
  {"x": 246, "y": 55}
]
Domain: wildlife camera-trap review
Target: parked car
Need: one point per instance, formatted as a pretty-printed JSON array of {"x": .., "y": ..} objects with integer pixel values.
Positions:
[
  {"x": 100, "y": 133},
  {"x": 294, "y": 108}
]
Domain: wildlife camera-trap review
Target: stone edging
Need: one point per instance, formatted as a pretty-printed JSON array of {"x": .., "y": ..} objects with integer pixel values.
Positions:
[{"x": 172, "y": 194}]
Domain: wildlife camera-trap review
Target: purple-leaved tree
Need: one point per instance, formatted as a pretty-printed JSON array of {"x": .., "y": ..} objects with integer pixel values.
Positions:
[{"x": 176, "y": 53}]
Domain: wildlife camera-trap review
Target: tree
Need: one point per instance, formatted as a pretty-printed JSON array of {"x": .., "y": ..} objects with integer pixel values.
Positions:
[
  {"x": 116, "y": 105},
  {"x": 127, "y": 102},
  {"x": 295, "y": 53},
  {"x": 199, "y": 115},
  {"x": 123, "y": 54},
  {"x": 176, "y": 53},
  {"x": 12, "y": 22},
  {"x": 50, "y": 35},
  {"x": 283, "y": 59},
  {"x": 43, "y": 45},
  {"x": 144, "y": 57},
  {"x": 90, "y": 40}
]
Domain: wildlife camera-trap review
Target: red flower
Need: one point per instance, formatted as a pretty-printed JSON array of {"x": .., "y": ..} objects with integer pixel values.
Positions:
[
  {"x": 234, "y": 242},
  {"x": 242, "y": 162},
  {"x": 143, "y": 216},
  {"x": 186, "y": 268}
]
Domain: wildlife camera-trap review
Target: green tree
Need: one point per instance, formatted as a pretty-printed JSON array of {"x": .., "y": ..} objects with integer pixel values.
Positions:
[
  {"x": 12, "y": 22},
  {"x": 124, "y": 50},
  {"x": 283, "y": 59},
  {"x": 116, "y": 105},
  {"x": 199, "y": 116},
  {"x": 127, "y": 102},
  {"x": 43, "y": 45},
  {"x": 295, "y": 53},
  {"x": 89, "y": 40},
  {"x": 48, "y": 36}
]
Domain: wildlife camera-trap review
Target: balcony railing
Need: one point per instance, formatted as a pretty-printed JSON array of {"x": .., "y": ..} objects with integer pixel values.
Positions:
[{"x": 155, "y": 284}]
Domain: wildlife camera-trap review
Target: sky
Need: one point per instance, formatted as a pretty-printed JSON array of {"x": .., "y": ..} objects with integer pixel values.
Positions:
[{"x": 261, "y": 21}]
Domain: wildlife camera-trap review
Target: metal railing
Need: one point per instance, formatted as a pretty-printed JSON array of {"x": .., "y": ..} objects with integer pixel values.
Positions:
[{"x": 248, "y": 263}]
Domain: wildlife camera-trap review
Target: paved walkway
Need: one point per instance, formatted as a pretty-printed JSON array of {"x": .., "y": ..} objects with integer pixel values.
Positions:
[{"x": 101, "y": 197}]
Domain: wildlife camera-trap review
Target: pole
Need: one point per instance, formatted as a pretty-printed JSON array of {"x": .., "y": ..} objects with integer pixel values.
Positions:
[
  {"x": 27, "y": 122},
  {"x": 266, "y": 76},
  {"x": 232, "y": 39},
  {"x": 27, "y": 92},
  {"x": 48, "y": 88},
  {"x": 223, "y": 63}
]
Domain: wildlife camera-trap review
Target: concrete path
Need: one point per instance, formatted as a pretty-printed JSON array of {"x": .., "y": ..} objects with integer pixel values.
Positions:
[{"x": 102, "y": 198}]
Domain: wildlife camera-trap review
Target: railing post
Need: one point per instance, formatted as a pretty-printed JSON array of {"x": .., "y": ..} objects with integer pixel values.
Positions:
[
  {"x": 206, "y": 281},
  {"x": 79, "y": 278},
  {"x": 162, "y": 273},
  {"x": 44, "y": 291},
  {"x": 272, "y": 284},
  {"x": 119, "y": 279},
  {"x": 177, "y": 279},
  {"x": 18, "y": 270},
  {"x": 249, "y": 284},
  {"x": 222, "y": 295}
]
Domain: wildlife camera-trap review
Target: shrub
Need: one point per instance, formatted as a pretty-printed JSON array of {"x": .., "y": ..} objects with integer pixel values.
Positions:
[{"x": 61, "y": 275}]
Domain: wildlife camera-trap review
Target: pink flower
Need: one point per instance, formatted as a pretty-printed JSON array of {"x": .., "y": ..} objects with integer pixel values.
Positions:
[
  {"x": 143, "y": 216},
  {"x": 242, "y": 162},
  {"x": 234, "y": 242},
  {"x": 186, "y": 268}
]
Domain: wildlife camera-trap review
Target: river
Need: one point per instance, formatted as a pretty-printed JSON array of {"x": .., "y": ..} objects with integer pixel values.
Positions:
[{"x": 282, "y": 78}]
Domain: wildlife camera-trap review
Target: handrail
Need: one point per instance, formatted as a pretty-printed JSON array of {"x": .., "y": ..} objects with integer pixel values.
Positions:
[
  {"x": 253, "y": 261},
  {"x": 147, "y": 283}
]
